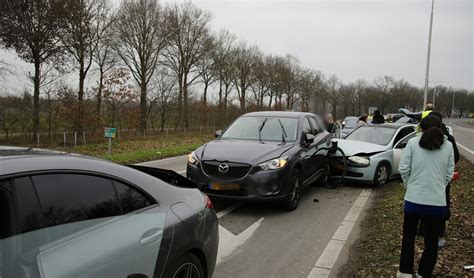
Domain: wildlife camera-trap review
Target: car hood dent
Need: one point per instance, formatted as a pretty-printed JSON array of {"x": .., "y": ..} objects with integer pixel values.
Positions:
[
  {"x": 242, "y": 151},
  {"x": 351, "y": 147}
]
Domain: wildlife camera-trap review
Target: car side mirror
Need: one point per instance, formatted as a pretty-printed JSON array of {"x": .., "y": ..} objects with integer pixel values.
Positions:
[
  {"x": 309, "y": 138},
  {"x": 218, "y": 133}
]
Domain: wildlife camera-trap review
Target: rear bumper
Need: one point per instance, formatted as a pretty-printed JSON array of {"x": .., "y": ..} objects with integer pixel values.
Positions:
[{"x": 255, "y": 186}]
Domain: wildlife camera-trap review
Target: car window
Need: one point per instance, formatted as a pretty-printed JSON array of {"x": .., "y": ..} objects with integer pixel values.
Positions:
[
  {"x": 307, "y": 126},
  {"x": 402, "y": 133},
  {"x": 316, "y": 128},
  {"x": 6, "y": 224},
  {"x": 67, "y": 198},
  {"x": 130, "y": 199},
  {"x": 270, "y": 129},
  {"x": 373, "y": 134},
  {"x": 404, "y": 141}
]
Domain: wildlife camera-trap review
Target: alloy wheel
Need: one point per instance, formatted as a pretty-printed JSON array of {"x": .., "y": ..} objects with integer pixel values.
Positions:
[
  {"x": 187, "y": 270},
  {"x": 382, "y": 174}
]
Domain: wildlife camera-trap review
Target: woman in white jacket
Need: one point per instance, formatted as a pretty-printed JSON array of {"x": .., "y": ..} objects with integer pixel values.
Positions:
[{"x": 426, "y": 167}]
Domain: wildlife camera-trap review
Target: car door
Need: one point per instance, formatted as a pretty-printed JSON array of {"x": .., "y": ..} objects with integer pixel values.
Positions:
[
  {"x": 72, "y": 225},
  {"x": 398, "y": 150},
  {"x": 314, "y": 154}
]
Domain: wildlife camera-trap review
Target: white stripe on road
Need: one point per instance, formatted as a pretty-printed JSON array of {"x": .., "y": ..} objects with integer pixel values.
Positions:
[
  {"x": 328, "y": 258},
  {"x": 464, "y": 128},
  {"x": 228, "y": 242},
  {"x": 228, "y": 210},
  {"x": 465, "y": 148}
]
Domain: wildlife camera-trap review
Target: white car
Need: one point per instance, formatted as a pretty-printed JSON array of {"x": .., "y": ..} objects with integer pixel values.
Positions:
[{"x": 372, "y": 152}]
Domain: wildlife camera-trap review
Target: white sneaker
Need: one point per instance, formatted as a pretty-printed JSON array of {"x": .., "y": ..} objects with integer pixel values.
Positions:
[{"x": 404, "y": 275}]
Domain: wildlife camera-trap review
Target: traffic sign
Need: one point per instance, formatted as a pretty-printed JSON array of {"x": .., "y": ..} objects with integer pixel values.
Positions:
[{"x": 110, "y": 132}]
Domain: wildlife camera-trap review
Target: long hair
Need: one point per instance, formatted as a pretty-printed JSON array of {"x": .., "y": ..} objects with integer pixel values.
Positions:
[{"x": 433, "y": 137}]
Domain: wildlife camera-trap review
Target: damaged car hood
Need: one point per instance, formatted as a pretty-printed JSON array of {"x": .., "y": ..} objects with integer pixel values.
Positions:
[{"x": 352, "y": 147}]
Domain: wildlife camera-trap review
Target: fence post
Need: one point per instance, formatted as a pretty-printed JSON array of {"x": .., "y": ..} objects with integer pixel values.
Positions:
[
  {"x": 64, "y": 138},
  {"x": 75, "y": 139},
  {"x": 38, "y": 139},
  {"x": 84, "y": 138}
]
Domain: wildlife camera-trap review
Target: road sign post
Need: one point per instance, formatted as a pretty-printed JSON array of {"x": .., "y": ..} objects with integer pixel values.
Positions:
[{"x": 110, "y": 132}]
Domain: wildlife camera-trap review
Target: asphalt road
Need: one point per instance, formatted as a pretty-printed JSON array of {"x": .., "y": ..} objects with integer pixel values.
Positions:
[
  {"x": 263, "y": 240},
  {"x": 464, "y": 135}
]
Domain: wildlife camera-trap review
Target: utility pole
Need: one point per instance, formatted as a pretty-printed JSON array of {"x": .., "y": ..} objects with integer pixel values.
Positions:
[
  {"x": 452, "y": 108},
  {"x": 427, "y": 75},
  {"x": 435, "y": 90}
]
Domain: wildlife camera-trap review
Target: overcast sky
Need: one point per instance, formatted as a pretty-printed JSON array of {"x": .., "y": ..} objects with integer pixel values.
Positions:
[{"x": 357, "y": 39}]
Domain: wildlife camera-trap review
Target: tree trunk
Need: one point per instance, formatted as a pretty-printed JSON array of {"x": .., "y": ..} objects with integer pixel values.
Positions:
[
  {"x": 185, "y": 101},
  {"x": 180, "y": 100},
  {"x": 36, "y": 100},
  {"x": 143, "y": 106},
  {"x": 99, "y": 96},
  {"x": 82, "y": 77},
  {"x": 242, "y": 99},
  {"x": 162, "y": 121}
]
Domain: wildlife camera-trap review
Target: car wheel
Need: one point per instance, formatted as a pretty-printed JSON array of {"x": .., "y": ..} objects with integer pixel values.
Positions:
[
  {"x": 381, "y": 174},
  {"x": 294, "y": 195},
  {"x": 189, "y": 266}
]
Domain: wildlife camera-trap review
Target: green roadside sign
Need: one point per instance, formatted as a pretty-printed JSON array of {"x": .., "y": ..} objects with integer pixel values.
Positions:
[{"x": 110, "y": 132}]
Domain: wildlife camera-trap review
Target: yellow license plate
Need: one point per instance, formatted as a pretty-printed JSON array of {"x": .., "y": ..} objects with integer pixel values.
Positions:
[{"x": 219, "y": 186}]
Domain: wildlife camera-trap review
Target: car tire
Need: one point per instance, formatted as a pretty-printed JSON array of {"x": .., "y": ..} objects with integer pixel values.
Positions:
[
  {"x": 188, "y": 266},
  {"x": 382, "y": 173},
  {"x": 294, "y": 195}
]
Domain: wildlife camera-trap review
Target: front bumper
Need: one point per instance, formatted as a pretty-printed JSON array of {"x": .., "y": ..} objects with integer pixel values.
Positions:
[
  {"x": 255, "y": 185},
  {"x": 357, "y": 174}
]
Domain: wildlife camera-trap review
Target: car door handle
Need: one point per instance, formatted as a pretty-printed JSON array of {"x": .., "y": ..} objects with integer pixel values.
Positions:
[{"x": 151, "y": 236}]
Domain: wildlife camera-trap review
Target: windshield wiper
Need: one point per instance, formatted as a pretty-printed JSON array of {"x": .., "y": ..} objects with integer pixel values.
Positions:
[
  {"x": 283, "y": 134},
  {"x": 260, "y": 130}
]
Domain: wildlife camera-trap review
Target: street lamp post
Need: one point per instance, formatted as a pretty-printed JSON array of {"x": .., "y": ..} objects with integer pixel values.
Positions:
[
  {"x": 427, "y": 75},
  {"x": 452, "y": 108},
  {"x": 435, "y": 91}
]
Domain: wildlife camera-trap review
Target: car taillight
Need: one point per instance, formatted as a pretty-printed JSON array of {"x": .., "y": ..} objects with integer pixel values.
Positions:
[{"x": 208, "y": 202}]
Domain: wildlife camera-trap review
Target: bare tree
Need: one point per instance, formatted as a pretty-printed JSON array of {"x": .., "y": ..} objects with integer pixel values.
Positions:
[
  {"x": 384, "y": 87},
  {"x": 334, "y": 96},
  {"x": 244, "y": 63},
  {"x": 188, "y": 30},
  {"x": 84, "y": 21},
  {"x": 261, "y": 78},
  {"x": 163, "y": 94},
  {"x": 31, "y": 27},
  {"x": 104, "y": 57},
  {"x": 139, "y": 40},
  {"x": 117, "y": 92}
]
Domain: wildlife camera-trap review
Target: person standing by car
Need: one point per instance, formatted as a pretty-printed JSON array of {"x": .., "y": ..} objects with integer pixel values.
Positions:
[
  {"x": 425, "y": 198},
  {"x": 362, "y": 120},
  {"x": 329, "y": 121},
  {"x": 442, "y": 231},
  {"x": 378, "y": 117},
  {"x": 418, "y": 115}
]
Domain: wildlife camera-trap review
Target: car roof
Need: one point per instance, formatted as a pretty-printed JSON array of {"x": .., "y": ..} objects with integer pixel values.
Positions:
[
  {"x": 389, "y": 125},
  {"x": 11, "y": 151},
  {"x": 291, "y": 114}
]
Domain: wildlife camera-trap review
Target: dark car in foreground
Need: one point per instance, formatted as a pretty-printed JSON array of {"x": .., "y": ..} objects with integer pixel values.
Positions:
[
  {"x": 66, "y": 215},
  {"x": 263, "y": 156}
]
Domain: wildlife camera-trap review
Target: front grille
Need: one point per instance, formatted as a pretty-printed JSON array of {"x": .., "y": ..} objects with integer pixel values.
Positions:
[{"x": 235, "y": 170}]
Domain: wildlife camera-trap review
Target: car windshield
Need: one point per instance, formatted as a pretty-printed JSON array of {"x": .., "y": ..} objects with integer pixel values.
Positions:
[
  {"x": 248, "y": 128},
  {"x": 372, "y": 134},
  {"x": 350, "y": 122}
]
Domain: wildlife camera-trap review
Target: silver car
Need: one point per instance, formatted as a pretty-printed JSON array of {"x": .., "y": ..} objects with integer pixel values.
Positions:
[{"x": 372, "y": 153}]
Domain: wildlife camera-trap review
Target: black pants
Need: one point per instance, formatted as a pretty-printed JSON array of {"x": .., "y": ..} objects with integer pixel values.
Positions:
[
  {"x": 442, "y": 228},
  {"x": 430, "y": 252}
]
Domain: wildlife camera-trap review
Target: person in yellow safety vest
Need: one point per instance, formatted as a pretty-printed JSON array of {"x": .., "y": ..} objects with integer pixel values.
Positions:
[{"x": 418, "y": 115}]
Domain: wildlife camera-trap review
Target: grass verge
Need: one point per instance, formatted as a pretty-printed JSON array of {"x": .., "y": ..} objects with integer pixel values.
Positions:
[
  {"x": 135, "y": 151},
  {"x": 377, "y": 252}
]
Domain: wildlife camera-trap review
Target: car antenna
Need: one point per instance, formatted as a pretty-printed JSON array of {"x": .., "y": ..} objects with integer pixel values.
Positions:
[
  {"x": 260, "y": 130},
  {"x": 283, "y": 134}
]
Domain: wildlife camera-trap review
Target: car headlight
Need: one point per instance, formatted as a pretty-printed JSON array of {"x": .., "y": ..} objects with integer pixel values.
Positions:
[
  {"x": 274, "y": 164},
  {"x": 359, "y": 160},
  {"x": 192, "y": 158}
]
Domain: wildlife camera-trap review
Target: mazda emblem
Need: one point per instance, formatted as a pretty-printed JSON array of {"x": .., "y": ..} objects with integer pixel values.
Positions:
[{"x": 223, "y": 168}]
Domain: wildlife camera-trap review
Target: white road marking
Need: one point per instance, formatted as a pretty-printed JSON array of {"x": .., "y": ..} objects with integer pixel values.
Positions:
[
  {"x": 331, "y": 252},
  {"x": 465, "y": 148},
  {"x": 162, "y": 160},
  {"x": 228, "y": 242},
  {"x": 464, "y": 128},
  {"x": 228, "y": 210}
]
